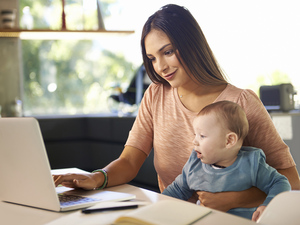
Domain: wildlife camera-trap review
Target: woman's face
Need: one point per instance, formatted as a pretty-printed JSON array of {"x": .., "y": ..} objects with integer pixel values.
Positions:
[{"x": 164, "y": 60}]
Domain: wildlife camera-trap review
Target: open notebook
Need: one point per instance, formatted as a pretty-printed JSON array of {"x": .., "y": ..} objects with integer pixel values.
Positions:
[
  {"x": 173, "y": 212},
  {"x": 25, "y": 173}
]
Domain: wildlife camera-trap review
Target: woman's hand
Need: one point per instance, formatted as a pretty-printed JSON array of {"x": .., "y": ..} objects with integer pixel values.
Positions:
[
  {"x": 258, "y": 213},
  {"x": 87, "y": 181},
  {"x": 120, "y": 171},
  {"x": 219, "y": 201},
  {"x": 224, "y": 201}
]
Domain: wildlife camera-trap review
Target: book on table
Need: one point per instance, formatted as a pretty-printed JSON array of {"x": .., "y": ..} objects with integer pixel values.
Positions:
[{"x": 173, "y": 212}]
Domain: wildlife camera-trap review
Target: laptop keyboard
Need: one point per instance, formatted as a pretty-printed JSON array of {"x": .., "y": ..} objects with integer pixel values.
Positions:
[{"x": 69, "y": 200}]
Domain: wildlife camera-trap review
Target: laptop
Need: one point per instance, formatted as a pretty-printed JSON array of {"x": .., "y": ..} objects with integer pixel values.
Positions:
[{"x": 25, "y": 172}]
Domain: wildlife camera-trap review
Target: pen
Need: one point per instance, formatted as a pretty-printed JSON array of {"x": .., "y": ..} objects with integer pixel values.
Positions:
[{"x": 86, "y": 211}]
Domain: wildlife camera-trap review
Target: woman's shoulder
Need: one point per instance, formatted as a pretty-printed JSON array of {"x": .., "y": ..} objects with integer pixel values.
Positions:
[
  {"x": 158, "y": 87},
  {"x": 238, "y": 95},
  {"x": 152, "y": 91},
  {"x": 232, "y": 90},
  {"x": 157, "y": 94},
  {"x": 156, "y": 90}
]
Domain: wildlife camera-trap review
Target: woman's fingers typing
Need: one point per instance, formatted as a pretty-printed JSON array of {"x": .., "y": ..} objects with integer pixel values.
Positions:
[{"x": 85, "y": 181}]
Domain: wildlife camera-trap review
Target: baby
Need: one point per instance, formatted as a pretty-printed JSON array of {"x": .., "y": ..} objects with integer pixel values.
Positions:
[{"x": 220, "y": 163}]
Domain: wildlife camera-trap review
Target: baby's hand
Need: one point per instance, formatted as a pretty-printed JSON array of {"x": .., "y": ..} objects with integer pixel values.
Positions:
[{"x": 258, "y": 213}]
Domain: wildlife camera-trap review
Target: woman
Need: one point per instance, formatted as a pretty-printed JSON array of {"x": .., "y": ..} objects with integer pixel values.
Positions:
[{"x": 186, "y": 77}]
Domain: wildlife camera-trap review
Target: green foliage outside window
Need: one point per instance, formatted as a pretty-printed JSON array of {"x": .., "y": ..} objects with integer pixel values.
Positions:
[
  {"x": 63, "y": 77},
  {"x": 69, "y": 76}
]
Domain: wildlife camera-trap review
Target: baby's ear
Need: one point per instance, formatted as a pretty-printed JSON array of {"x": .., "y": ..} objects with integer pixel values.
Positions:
[{"x": 231, "y": 139}]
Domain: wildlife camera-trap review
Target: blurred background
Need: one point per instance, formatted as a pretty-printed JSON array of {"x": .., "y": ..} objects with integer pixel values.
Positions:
[{"x": 256, "y": 43}]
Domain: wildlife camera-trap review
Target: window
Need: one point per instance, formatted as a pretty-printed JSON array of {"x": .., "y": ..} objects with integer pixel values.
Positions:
[
  {"x": 256, "y": 43},
  {"x": 72, "y": 76}
]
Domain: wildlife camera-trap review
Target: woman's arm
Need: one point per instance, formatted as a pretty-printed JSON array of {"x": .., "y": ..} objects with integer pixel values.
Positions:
[
  {"x": 120, "y": 171},
  {"x": 293, "y": 177},
  {"x": 126, "y": 167},
  {"x": 252, "y": 197},
  {"x": 225, "y": 201}
]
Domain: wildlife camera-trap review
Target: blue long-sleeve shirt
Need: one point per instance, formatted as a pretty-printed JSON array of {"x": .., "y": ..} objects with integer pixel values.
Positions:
[{"x": 249, "y": 169}]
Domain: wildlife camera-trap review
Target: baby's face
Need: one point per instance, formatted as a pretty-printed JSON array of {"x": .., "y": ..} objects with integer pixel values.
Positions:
[{"x": 210, "y": 138}]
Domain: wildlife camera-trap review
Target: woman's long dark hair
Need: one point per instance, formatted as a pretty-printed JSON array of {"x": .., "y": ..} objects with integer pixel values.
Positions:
[{"x": 187, "y": 37}]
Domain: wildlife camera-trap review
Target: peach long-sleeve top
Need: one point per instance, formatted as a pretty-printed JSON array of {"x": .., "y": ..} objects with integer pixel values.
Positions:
[{"x": 164, "y": 124}]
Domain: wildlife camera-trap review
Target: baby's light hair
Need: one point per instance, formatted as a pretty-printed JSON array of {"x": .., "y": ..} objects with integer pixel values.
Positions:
[{"x": 231, "y": 115}]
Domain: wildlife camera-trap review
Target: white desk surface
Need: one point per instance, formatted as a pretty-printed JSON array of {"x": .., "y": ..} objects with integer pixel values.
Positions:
[{"x": 11, "y": 214}]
